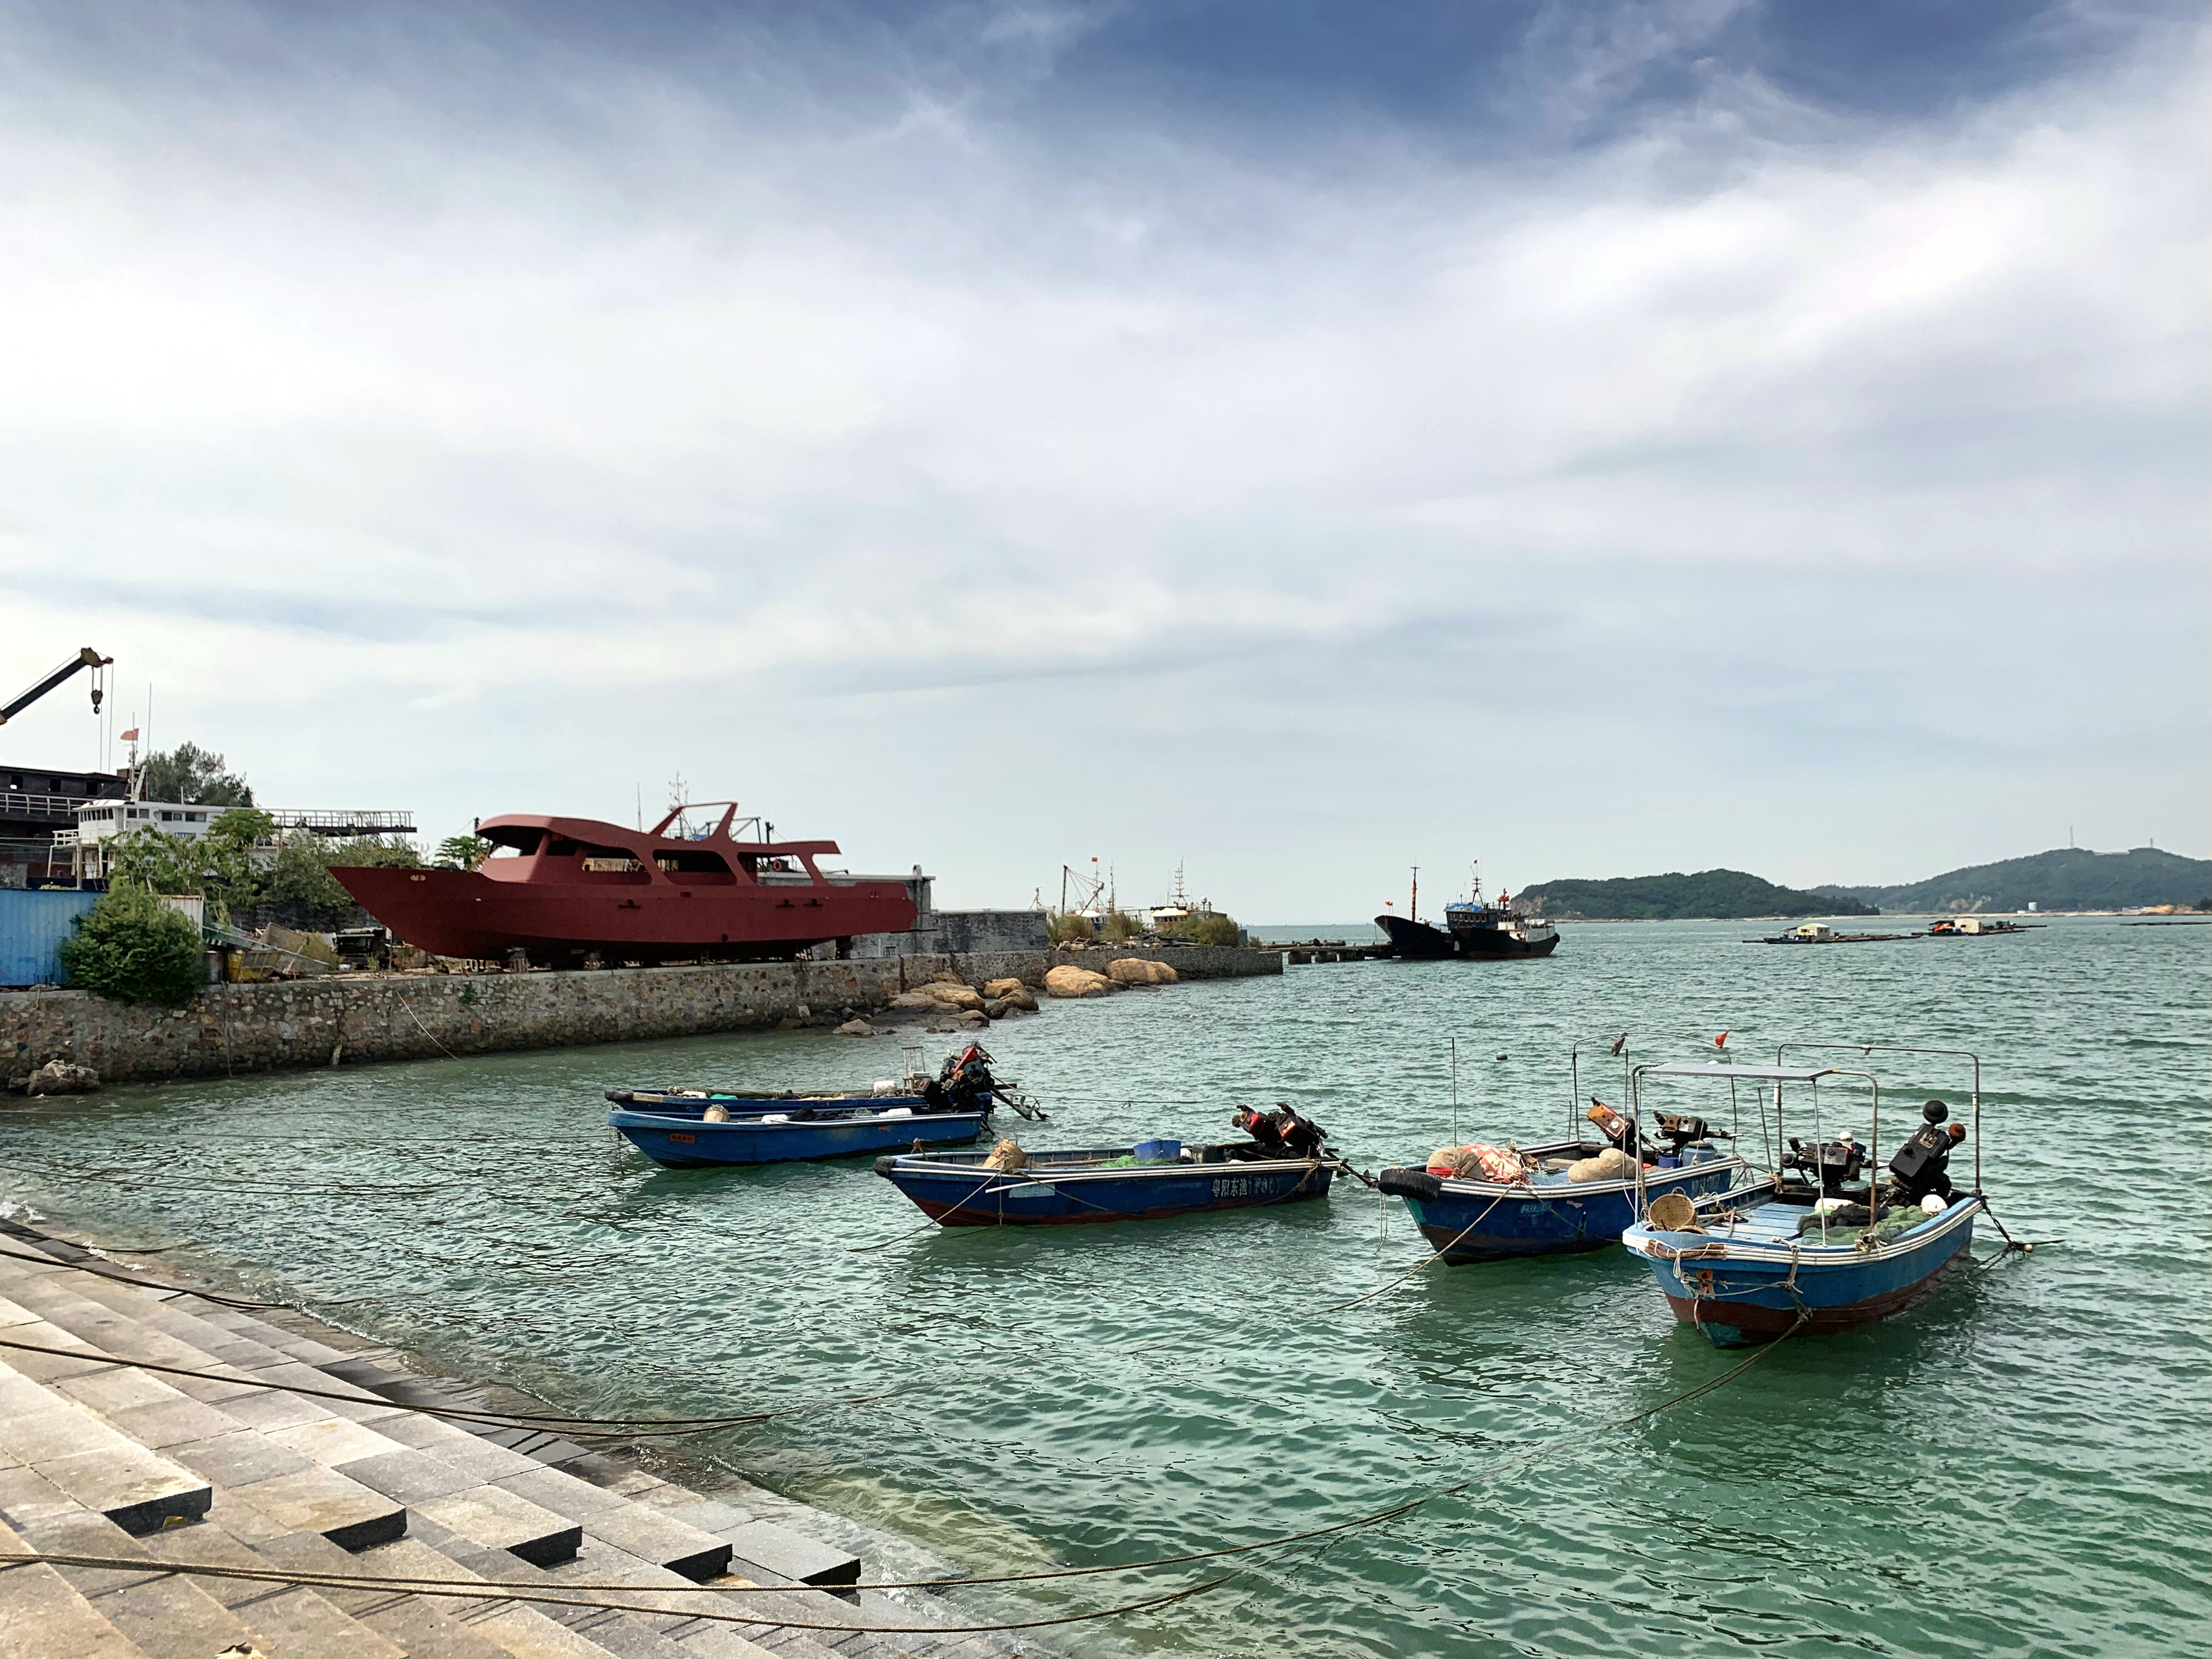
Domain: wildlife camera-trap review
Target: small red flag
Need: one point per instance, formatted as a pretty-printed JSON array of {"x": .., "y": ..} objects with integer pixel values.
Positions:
[
  {"x": 1387, "y": 903},
  {"x": 1721, "y": 1041},
  {"x": 132, "y": 736}
]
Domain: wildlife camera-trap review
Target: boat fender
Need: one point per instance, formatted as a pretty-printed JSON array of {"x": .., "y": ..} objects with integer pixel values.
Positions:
[
  {"x": 884, "y": 1165},
  {"x": 1411, "y": 1184}
]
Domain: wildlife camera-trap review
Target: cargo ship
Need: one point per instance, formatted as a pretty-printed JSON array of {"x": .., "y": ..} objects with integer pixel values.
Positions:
[
  {"x": 576, "y": 892},
  {"x": 1475, "y": 930}
]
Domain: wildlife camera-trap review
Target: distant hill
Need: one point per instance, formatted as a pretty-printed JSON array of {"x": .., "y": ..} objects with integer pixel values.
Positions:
[
  {"x": 1717, "y": 893},
  {"x": 2064, "y": 879}
]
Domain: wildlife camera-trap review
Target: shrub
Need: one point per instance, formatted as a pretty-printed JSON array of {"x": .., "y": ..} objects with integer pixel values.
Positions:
[
  {"x": 1208, "y": 928},
  {"x": 300, "y": 883},
  {"x": 463, "y": 852},
  {"x": 1121, "y": 926},
  {"x": 221, "y": 865},
  {"x": 131, "y": 947},
  {"x": 1069, "y": 929}
]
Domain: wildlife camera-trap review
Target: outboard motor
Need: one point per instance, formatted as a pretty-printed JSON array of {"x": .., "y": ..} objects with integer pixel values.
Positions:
[
  {"x": 1829, "y": 1165},
  {"x": 1682, "y": 1131},
  {"x": 1921, "y": 1167}
]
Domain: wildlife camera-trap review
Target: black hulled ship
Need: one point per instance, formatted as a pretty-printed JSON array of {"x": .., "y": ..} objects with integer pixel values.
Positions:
[{"x": 1475, "y": 930}]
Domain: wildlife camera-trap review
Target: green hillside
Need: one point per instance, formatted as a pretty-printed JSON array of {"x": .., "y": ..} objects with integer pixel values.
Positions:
[
  {"x": 1717, "y": 893},
  {"x": 2064, "y": 879}
]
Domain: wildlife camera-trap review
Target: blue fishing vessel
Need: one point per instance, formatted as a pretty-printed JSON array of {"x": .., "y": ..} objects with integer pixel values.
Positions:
[
  {"x": 680, "y": 1136},
  {"x": 759, "y": 1103},
  {"x": 1547, "y": 1211},
  {"x": 1834, "y": 1243},
  {"x": 1146, "y": 1182}
]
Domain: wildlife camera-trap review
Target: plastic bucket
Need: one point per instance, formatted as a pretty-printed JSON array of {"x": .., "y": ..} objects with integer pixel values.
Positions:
[{"x": 1158, "y": 1151}]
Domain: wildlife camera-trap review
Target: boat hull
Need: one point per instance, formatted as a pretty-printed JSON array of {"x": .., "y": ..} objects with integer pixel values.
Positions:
[
  {"x": 1739, "y": 1294},
  {"x": 957, "y": 1193},
  {"x": 669, "y": 1102},
  {"x": 470, "y": 915},
  {"x": 1416, "y": 941},
  {"x": 687, "y": 1143},
  {"x": 1478, "y": 1221}
]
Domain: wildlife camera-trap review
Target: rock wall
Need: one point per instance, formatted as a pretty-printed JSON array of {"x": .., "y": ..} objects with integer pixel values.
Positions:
[
  {"x": 323, "y": 1022},
  {"x": 1189, "y": 961}
]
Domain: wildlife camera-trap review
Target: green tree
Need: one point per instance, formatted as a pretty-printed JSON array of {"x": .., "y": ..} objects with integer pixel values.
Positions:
[
  {"x": 190, "y": 774},
  {"x": 131, "y": 947},
  {"x": 463, "y": 852},
  {"x": 301, "y": 881},
  {"x": 221, "y": 864},
  {"x": 1207, "y": 927}
]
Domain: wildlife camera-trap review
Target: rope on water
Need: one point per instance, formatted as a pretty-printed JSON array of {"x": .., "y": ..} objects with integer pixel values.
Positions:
[
  {"x": 496, "y": 1592},
  {"x": 134, "y": 1280},
  {"x": 1370, "y": 1296}
]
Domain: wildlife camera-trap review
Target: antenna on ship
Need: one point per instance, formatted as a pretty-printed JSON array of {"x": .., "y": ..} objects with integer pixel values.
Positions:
[{"x": 1413, "y": 904}]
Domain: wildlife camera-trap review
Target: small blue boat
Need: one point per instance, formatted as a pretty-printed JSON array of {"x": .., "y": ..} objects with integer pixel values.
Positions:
[
  {"x": 1549, "y": 1213},
  {"x": 1105, "y": 1184},
  {"x": 748, "y": 1103},
  {"x": 680, "y": 1137},
  {"x": 1753, "y": 1276},
  {"x": 1831, "y": 1243}
]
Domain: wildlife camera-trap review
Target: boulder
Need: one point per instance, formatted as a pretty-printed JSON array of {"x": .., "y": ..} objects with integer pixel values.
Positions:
[
  {"x": 974, "y": 1019},
  {"x": 947, "y": 976},
  {"x": 63, "y": 1076},
  {"x": 994, "y": 1008},
  {"x": 953, "y": 996},
  {"x": 1003, "y": 988},
  {"x": 912, "y": 999},
  {"x": 1076, "y": 983},
  {"x": 1133, "y": 970},
  {"x": 856, "y": 1028},
  {"x": 1021, "y": 997}
]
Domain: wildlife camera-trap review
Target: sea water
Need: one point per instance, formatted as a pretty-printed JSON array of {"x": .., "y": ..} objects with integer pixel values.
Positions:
[{"x": 2020, "y": 1464}]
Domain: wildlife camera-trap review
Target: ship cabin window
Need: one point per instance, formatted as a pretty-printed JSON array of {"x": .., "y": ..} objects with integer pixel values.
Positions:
[
  {"x": 512, "y": 842},
  {"x": 614, "y": 866},
  {"x": 696, "y": 867}
]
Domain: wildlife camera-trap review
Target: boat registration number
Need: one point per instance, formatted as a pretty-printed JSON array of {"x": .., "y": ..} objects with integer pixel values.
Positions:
[
  {"x": 1243, "y": 1187},
  {"x": 678, "y": 1135},
  {"x": 1027, "y": 1189}
]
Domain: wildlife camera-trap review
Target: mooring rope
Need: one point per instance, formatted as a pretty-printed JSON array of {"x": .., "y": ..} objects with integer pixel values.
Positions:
[
  {"x": 495, "y": 1591},
  {"x": 133, "y": 1279}
]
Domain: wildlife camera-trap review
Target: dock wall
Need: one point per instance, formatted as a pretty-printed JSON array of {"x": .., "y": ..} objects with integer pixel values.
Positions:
[
  {"x": 1189, "y": 961},
  {"x": 302, "y": 1024}
]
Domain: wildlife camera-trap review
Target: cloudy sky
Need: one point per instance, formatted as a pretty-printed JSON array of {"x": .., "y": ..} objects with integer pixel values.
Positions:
[{"x": 1296, "y": 442}]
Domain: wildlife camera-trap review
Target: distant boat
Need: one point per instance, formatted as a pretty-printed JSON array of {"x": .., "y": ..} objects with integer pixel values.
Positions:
[
  {"x": 1975, "y": 926},
  {"x": 1473, "y": 930},
  {"x": 684, "y": 1139}
]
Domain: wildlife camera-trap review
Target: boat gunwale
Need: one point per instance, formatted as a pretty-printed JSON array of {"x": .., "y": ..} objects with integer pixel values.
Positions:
[
  {"x": 1638, "y": 1237},
  {"x": 1463, "y": 1188},
  {"x": 622, "y": 1119}
]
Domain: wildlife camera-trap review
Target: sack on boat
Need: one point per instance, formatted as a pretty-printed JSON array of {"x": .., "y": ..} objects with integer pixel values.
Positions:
[
  {"x": 1611, "y": 1164},
  {"x": 716, "y": 1113},
  {"x": 1476, "y": 1162},
  {"x": 1007, "y": 1155}
]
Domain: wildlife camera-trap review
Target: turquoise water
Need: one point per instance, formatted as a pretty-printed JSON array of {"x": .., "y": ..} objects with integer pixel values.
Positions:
[{"x": 2017, "y": 1466}]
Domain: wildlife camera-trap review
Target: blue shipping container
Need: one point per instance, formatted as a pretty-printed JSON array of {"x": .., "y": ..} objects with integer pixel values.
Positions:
[{"x": 33, "y": 926}]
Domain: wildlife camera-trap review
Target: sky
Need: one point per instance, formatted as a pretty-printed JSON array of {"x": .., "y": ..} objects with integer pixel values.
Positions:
[{"x": 1290, "y": 442}]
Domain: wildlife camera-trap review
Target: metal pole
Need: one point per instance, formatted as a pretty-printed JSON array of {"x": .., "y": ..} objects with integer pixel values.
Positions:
[{"x": 1454, "y": 1074}]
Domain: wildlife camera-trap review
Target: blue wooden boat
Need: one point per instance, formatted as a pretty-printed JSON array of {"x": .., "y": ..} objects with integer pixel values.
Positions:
[
  {"x": 1831, "y": 1243},
  {"x": 684, "y": 1139},
  {"x": 1752, "y": 1276},
  {"x": 1549, "y": 1214},
  {"x": 757, "y": 1102},
  {"x": 1104, "y": 1184}
]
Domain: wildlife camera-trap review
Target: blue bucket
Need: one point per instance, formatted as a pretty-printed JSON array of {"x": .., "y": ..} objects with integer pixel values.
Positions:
[{"x": 1158, "y": 1151}]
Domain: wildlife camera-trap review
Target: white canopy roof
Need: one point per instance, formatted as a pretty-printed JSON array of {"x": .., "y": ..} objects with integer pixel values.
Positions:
[{"x": 1761, "y": 1073}]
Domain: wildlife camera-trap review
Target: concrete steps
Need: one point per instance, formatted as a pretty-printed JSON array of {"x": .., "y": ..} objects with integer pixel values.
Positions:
[{"x": 140, "y": 1466}]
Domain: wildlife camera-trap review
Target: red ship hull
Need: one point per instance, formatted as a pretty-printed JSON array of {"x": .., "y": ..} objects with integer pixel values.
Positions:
[{"x": 571, "y": 889}]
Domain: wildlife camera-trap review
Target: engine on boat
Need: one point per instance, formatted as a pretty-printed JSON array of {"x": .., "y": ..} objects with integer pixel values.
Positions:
[
  {"x": 1828, "y": 1166},
  {"x": 1921, "y": 1167},
  {"x": 1279, "y": 1134},
  {"x": 1681, "y": 1130}
]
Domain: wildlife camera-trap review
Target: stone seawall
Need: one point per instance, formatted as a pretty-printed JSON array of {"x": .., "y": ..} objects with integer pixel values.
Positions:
[
  {"x": 1189, "y": 961},
  {"x": 300, "y": 1024}
]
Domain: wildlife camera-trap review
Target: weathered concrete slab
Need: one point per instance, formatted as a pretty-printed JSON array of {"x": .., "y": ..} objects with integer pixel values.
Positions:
[
  {"x": 499, "y": 1520},
  {"x": 48, "y": 1619},
  {"x": 321, "y": 1501},
  {"x": 790, "y": 1556},
  {"x": 136, "y": 1489}
]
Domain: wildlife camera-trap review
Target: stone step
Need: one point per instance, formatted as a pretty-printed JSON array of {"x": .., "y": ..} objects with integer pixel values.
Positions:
[
  {"x": 652, "y": 1536},
  {"x": 47, "y": 1618},
  {"x": 72, "y": 1450},
  {"x": 773, "y": 1554}
]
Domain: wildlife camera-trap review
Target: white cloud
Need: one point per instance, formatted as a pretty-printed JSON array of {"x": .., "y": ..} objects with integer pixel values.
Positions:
[{"x": 490, "y": 459}]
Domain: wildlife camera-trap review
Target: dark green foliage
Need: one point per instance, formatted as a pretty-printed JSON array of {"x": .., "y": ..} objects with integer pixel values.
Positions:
[
  {"x": 220, "y": 865},
  {"x": 2064, "y": 879},
  {"x": 1205, "y": 927},
  {"x": 1068, "y": 928},
  {"x": 463, "y": 852},
  {"x": 1717, "y": 893},
  {"x": 189, "y": 773},
  {"x": 133, "y": 948},
  {"x": 300, "y": 884}
]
